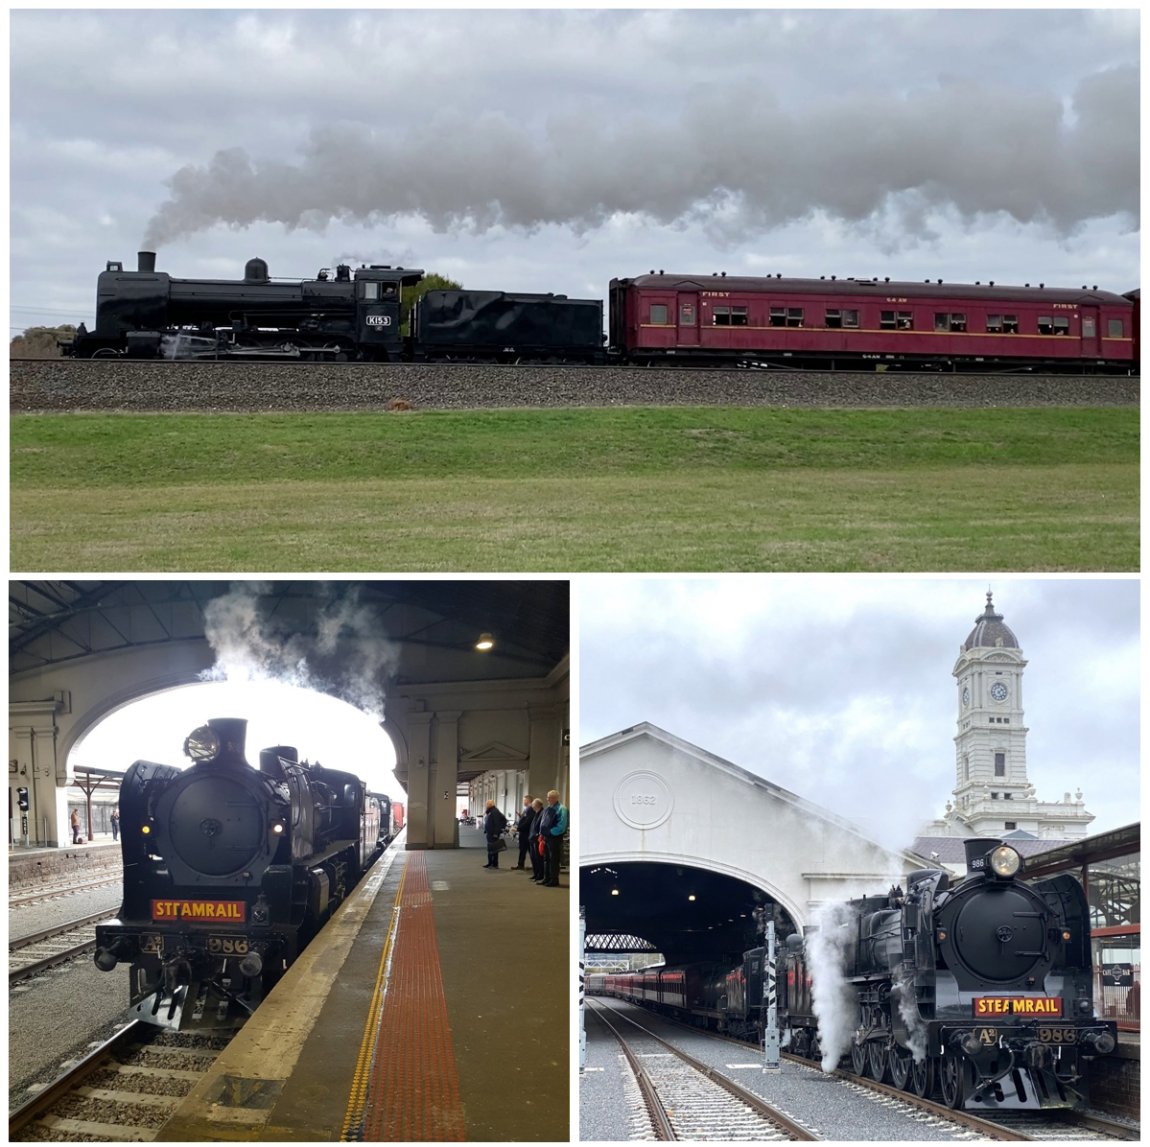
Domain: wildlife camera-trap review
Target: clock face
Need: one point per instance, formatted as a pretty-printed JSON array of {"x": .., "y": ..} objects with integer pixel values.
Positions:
[
  {"x": 998, "y": 691},
  {"x": 965, "y": 695}
]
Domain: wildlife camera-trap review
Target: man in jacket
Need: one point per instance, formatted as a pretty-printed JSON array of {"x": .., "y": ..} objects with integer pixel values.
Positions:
[
  {"x": 494, "y": 822},
  {"x": 552, "y": 826},
  {"x": 523, "y": 830},
  {"x": 534, "y": 838}
]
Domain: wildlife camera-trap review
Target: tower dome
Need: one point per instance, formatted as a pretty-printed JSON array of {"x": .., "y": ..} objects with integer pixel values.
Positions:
[{"x": 990, "y": 631}]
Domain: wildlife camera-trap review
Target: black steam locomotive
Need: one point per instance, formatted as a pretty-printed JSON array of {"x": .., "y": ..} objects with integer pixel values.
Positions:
[
  {"x": 335, "y": 317},
  {"x": 229, "y": 871},
  {"x": 980, "y": 988}
]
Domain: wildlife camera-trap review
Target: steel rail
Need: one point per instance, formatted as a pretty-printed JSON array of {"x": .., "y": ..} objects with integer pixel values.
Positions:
[{"x": 759, "y": 1105}]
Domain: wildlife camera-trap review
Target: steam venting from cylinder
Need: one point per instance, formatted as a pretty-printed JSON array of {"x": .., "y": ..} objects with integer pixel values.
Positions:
[
  {"x": 146, "y": 262},
  {"x": 977, "y": 848}
]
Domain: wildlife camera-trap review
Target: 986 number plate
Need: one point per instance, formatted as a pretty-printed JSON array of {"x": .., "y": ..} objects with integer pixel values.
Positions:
[
  {"x": 228, "y": 945},
  {"x": 1057, "y": 1035}
]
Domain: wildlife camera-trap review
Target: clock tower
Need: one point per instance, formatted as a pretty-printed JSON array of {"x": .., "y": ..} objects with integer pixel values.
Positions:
[{"x": 992, "y": 793}]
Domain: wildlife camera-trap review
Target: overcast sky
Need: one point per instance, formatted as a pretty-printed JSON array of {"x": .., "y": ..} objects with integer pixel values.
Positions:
[
  {"x": 839, "y": 688},
  {"x": 553, "y": 150}
]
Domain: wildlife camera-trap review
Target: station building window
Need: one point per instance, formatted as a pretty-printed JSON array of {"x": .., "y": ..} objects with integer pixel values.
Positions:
[
  {"x": 1008, "y": 825},
  {"x": 1000, "y": 764},
  {"x": 1114, "y": 891},
  {"x": 729, "y": 317},
  {"x": 838, "y": 318}
]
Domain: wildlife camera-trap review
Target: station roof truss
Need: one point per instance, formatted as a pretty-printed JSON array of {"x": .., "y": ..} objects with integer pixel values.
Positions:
[
  {"x": 50, "y": 622},
  {"x": 615, "y": 942}
]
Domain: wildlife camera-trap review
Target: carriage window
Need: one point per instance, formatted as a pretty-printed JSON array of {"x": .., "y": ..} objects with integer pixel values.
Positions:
[
  {"x": 1114, "y": 328},
  {"x": 896, "y": 320},
  {"x": 659, "y": 314},
  {"x": 1002, "y": 324},
  {"x": 1088, "y": 327},
  {"x": 837, "y": 319},
  {"x": 786, "y": 316},
  {"x": 1061, "y": 325},
  {"x": 949, "y": 321},
  {"x": 686, "y": 314},
  {"x": 1045, "y": 325},
  {"x": 729, "y": 317}
]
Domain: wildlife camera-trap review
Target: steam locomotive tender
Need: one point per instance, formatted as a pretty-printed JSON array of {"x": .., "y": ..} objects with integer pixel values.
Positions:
[
  {"x": 980, "y": 988},
  {"x": 229, "y": 871}
]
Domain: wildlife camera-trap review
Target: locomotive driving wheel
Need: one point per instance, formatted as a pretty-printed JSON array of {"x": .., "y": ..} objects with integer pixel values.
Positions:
[
  {"x": 922, "y": 1077},
  {"x": 858, "y": 1058},
  {"x": 899, "y": 1064},
  {"x": 956, "y": 1075},
  {"x": 876, "y": 1060}
]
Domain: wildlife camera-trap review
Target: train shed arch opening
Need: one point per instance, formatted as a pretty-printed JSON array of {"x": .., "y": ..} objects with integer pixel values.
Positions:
[
  {"x": 684, "y": 912},
  {"x": 325, "y": 730}
]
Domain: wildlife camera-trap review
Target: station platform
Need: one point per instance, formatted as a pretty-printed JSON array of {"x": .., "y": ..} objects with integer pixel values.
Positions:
[{"x": 434, "y": 1006}]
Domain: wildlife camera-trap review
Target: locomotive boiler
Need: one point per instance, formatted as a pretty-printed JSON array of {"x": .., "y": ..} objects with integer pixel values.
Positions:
[
  {"x": 229, "y": 871},
  {"x": 335, "y": 316}
]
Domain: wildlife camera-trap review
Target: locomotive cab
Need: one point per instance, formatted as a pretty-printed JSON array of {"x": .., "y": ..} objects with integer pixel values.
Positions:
[{"x": 378, "y": 299}]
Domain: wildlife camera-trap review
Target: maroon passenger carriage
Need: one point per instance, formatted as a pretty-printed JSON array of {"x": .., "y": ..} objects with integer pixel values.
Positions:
[{"x": 837, "y": 323}]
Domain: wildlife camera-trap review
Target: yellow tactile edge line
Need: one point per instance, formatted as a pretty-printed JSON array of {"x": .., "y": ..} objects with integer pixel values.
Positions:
[{"x": 357, "y": 1100}]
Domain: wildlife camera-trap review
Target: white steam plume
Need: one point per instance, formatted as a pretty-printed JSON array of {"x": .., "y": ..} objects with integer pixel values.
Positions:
[
  {"x": 734, "y": 162},
  {"x": 347, "y": 655},
  {"x": 833, "y": 999}
]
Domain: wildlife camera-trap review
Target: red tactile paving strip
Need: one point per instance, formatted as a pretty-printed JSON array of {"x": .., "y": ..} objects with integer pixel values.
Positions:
[{"x": 412, "y": 1087}]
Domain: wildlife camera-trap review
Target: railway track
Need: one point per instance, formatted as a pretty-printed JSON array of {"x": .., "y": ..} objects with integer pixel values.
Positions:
[
  {"x": 123, "y": 1091},
  {"x": 55, "y": 891},
  {"x": 1016, "y": 1126},
  {"x": 38, "y": 951},
  {"x": 687, "y": 1099}
]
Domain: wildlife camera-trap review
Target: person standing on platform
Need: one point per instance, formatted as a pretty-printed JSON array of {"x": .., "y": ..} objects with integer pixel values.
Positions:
[
  {"x": 523, "y": 830},
  {"x": 552, "y": 827},
  {"x": 494, "y": 822},
  {"x": 533, "y": 839},
  {"x": 115, "y": 824},
  {"x": 75, "y": 819}
]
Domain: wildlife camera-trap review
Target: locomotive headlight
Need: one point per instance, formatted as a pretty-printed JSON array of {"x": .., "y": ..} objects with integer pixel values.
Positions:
[
  {"x": 202, "y": 744},
  {"x": 146, "y": 829},
  {"x": 277, "y": 829},
  {"x": 1004, "y": 861}
]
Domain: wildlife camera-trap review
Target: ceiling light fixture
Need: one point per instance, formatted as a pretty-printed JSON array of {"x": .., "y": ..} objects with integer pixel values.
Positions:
[{"x": 485, "y": 642}]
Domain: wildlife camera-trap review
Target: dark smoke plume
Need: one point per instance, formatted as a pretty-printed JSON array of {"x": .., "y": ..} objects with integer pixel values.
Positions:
[
  {"x": 347, "y": 655},
  {"x": 734, "y": 163}
]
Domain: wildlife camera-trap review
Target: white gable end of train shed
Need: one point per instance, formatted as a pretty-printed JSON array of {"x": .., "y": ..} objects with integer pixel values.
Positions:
[{"x": 647, "y": 795}]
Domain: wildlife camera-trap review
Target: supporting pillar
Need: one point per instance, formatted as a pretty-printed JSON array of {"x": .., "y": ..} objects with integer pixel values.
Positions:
[{"x": 419, "y": 825}]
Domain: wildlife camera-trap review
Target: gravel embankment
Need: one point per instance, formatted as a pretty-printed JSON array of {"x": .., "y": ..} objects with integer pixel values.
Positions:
[{"x": 64, "y": 385}]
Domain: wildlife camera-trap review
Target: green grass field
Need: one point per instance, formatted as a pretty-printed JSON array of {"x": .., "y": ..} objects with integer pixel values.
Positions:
[{"x": 575, "y": 490}]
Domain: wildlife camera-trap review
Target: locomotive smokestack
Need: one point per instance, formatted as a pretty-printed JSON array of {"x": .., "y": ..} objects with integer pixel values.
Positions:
[
  {"x": 146, "y": 261},
  {"x": 220, "y": 741},
  {"x": 977, "y": 850}
]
